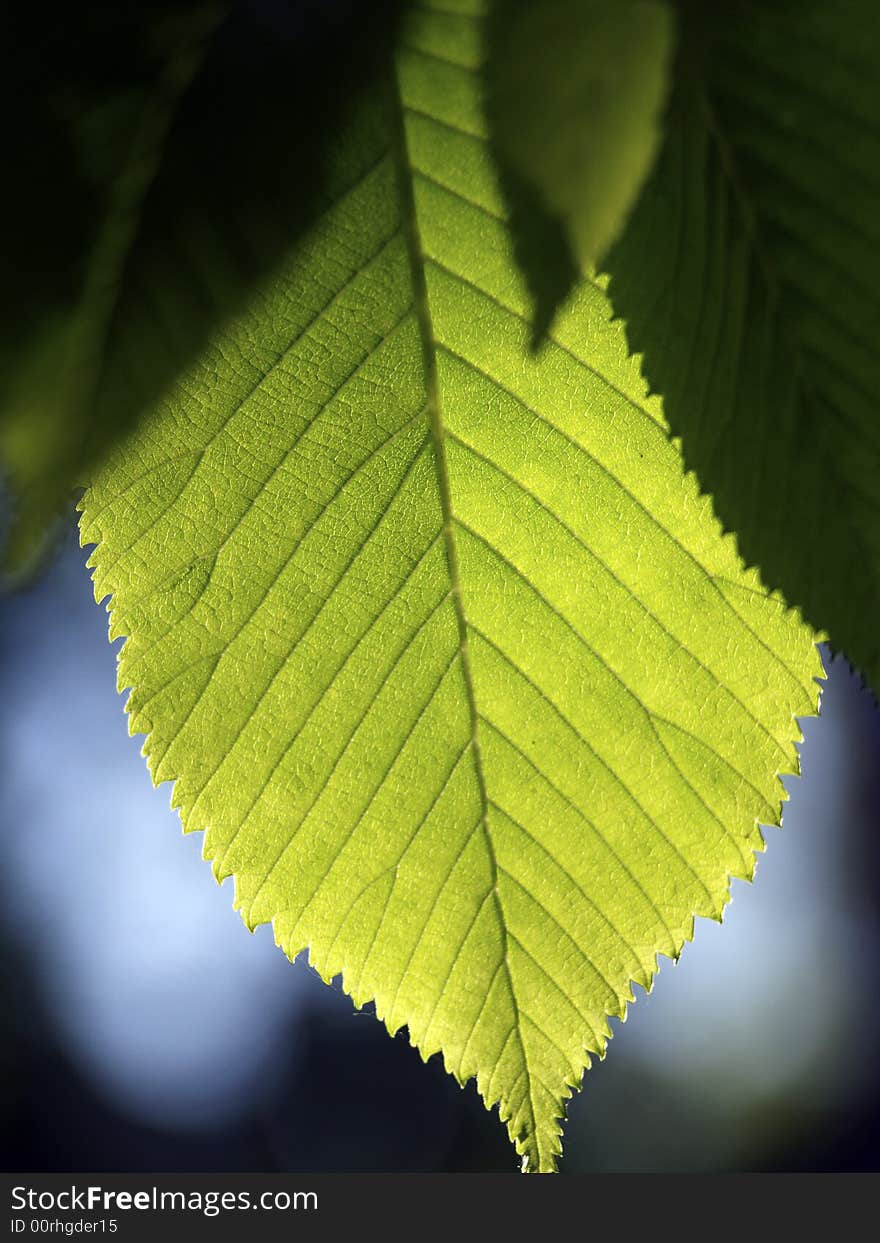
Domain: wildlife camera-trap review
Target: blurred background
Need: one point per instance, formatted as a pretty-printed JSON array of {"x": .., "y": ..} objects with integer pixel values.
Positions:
[{"x": 144, "y": 1029}]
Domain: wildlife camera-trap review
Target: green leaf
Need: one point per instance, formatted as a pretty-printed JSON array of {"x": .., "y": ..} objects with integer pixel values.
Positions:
[
  {"x": 436, "y": 641},
  {"x": 748, "y": 278},
  {"x": 575, "y": 95}
]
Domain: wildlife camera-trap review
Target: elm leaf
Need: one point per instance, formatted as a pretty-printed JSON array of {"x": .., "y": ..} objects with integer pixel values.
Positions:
[{"x": 437, "y": 642}]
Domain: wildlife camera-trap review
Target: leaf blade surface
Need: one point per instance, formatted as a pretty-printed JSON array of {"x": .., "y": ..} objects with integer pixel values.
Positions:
[{"x": 434, "y": 638}]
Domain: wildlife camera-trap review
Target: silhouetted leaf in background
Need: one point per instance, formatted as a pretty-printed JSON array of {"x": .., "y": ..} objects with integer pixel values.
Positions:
[
  {"x": 749, "y": 278},
  {"x": 114, "y": 312},
  {"x": 434, "y": 638},
  {"x": 87, "y": 102}
]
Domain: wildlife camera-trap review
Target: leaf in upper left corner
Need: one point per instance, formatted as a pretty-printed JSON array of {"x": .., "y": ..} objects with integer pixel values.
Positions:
[
  {"x": 160, "y": 160},
  {"x": 86, "y": 106},
  {"x": 575, "y": 93}
]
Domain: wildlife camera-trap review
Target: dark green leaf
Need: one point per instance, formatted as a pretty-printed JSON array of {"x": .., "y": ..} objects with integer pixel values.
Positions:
[
  {"x": 243, "y": 171},
  {"x": 749, "y": 278}
]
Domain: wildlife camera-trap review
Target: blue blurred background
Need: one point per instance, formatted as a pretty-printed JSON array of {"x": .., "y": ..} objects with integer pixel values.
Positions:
[{"x": 144, "y": 1028}]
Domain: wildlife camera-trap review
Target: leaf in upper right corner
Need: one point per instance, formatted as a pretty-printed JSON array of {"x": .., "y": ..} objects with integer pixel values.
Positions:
[
  {"x": 575, "y": 95},
  {"x": 749, "y": 279}
]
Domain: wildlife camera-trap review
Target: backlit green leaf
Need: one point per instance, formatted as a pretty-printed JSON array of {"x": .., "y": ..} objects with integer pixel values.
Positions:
[{"x": 437, "y": 643}]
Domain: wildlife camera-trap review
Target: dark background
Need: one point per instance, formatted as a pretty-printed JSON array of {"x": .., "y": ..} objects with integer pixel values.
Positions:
[{"x": 145, "y": 1029}]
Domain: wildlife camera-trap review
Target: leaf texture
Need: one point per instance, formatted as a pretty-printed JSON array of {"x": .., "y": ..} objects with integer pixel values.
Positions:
[
  {"x": 748, "y": 279},
  {"x": 434, "y": 638}
]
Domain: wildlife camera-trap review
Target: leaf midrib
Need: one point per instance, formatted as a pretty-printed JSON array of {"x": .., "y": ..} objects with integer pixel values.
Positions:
[{"x": 417, "y": 260}]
